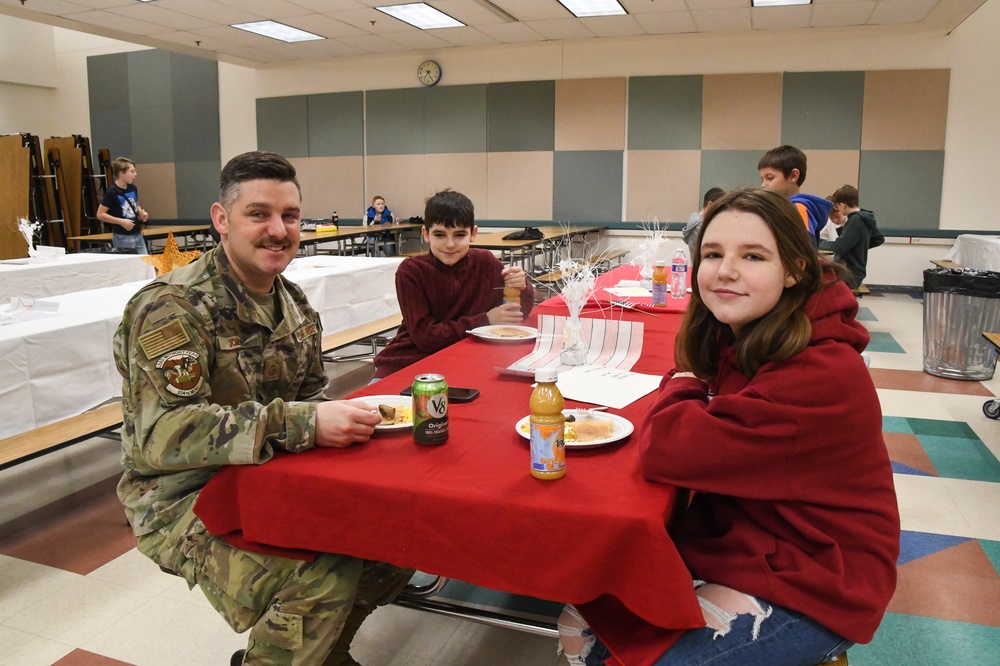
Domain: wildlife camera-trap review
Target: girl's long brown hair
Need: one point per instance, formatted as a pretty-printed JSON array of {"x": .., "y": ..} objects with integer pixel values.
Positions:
[{"x": 782, "y": 332}]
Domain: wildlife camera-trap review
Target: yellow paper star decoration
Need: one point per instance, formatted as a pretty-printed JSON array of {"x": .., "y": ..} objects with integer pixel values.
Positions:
[{"x": 171, "y": 258}]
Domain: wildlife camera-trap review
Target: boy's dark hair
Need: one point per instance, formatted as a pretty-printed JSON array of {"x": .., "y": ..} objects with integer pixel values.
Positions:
[
  {"x": 449, "y": 209},
  {"x": 713, "y": 194},
  {"x": 254, "y": 165},
  {"x": 847, "y": 195},
  {"x": 784, "y": 159}
]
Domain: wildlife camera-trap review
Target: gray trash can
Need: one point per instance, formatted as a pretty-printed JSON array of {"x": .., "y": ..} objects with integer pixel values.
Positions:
[{"x": 959, "y": 306}]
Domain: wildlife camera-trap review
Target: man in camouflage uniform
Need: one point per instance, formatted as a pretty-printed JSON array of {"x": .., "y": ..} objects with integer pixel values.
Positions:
[{"x": 221, "y": 365}]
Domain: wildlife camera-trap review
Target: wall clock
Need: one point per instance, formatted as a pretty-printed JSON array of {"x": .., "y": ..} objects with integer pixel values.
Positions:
[{"x": 429, "y": 73}]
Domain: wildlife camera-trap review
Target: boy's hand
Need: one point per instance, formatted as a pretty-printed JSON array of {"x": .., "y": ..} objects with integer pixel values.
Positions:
[
  {"x": 508, "y": 313},
  {"x": 513, "y": 276}
]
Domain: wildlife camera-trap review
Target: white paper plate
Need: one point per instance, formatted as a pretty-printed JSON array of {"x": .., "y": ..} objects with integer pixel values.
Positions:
[
  {"x": 623, "y": 428},
  {"x": 396, "y": 401},
  {"x": 487, "y": 333}
]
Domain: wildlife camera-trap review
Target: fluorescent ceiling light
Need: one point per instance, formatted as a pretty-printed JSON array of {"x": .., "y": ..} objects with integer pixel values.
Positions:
[
  {"x": 275, "y": 30},
  {"x": 584, "y": 8},
  {"x": 421, "y": 15},
  {"x": 778, "y": 3}
]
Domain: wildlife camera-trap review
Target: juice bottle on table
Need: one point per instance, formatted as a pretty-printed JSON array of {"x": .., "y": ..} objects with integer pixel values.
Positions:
[
  {"x": 660, "y": 284},
  {"x": 548, "y": 446}
]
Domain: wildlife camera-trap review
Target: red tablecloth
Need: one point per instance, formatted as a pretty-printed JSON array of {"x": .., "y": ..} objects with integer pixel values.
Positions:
[{"x": 469, "y": 509}]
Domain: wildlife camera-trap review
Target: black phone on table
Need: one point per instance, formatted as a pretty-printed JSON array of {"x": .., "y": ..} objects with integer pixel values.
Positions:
[{"x": 455, "y": 393}]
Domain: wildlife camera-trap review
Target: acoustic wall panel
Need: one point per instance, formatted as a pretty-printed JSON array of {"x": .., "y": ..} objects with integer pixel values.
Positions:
[
  {"x": 662, "y": 184},
  {"x": 196, "y": 133},
  {"x": 158, "y": 189},
  {"x": 822, "y": 110},
  {"x": 197, "y": 189},
  {"x": 905, "y": 109},
  {"x": 462, "y": 172},
  {"x": 398, "y": 178},
  {"x": 395, "y": 122},
  {"x": 590, "y": 114},
  {"x": 455, "y": 119},
  {"x": 521, "y": 116},
  {"x": 903, "y": 187},
  {"x": 828, "y": 170},
  {"x": 665, "y": 113},
  {"x": 283, "y": 125},
  {"x": 331, "y": 183},
  {"x": 336, "y": 124},
  {"x": 110, "y": 114},
  {"x": 519, "y": 185},
  {"x": 741, "y": 111},
  {"x": 728, "y": 169},
  {"x": 152, "y": 133},
  {"x": 587, "y": 186}
]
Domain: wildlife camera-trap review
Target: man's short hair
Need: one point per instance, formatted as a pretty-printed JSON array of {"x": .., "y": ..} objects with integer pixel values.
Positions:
[
  {"x": 449, "y": 209},
  {"x": 785, "y": 159},
  {"x": 255, "y": 165},
  {"x": 847, "y": 195},
  {"x": 713, "y": 194},
  {"x": 120, "y": 166}
]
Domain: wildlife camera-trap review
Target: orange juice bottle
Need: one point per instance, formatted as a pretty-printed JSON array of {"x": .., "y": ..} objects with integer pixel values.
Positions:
[
  {"x": 548, "y": 445},
  {"x": 660, "y": 284}
]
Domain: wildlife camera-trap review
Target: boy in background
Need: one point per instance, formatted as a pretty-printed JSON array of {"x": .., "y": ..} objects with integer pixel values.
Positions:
[
  {"x": 783, "y": 169},
  {"x": 690, "y": 232},
  {"x": 858, "y": 235},
  {"x": 450, "y": 290}
]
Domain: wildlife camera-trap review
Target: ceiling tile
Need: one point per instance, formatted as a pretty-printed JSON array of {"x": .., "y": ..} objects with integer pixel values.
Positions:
[
  {"x": 567, "y": 28},
  {"x": 613, "y": 26},
  {"x": 901, "y": 11},
  {"x": 719, "y": 20},
  {"x": 667, "y": 22},
  {"x": 511, "y": 33},
  {"x": 832, "y": 14}
]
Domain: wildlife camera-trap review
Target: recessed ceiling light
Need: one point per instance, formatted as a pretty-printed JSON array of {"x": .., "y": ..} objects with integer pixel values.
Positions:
[
  {"x": 279, "y": 31},
  {"x": 421, "y": 15},
  {"x": 584, "y": 8},
  {"x": 778, "y": 3}
]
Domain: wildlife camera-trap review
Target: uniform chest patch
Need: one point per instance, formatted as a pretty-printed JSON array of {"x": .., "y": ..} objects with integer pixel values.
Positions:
[{"x": 182, "y": 370}]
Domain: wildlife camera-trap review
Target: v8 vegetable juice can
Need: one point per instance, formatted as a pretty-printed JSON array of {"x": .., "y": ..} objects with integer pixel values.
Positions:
[{"x": 430, "y": 409}]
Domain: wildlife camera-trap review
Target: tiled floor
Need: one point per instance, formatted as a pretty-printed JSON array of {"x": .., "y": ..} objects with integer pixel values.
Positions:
[{"x": 74, "y": 591}]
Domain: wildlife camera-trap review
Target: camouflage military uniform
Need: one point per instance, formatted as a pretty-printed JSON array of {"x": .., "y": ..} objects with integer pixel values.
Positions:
[{"x": 207, "y": 384}]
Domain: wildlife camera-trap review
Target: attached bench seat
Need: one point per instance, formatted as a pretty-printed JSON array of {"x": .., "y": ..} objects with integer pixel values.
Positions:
[
  {"x": 946, "y": 263},
  {"x": 369, "y": 332},
  {"x": 45, "y": 439}
]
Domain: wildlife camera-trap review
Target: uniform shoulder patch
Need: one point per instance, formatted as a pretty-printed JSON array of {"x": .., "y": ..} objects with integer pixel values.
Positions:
[
  {"x": 182, "y": 370},
  {"x": 164, "y": 338}
]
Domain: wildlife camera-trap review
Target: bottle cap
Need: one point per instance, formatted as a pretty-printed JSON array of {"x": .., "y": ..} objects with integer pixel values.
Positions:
[
  {"x": 546, "y": 375},
  {"x": 661, "y": 263}
]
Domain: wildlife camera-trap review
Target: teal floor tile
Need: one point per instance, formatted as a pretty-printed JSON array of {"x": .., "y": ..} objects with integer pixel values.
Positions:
[
  {"x": 992, "y": 550},
  {"x": 959, "y": 458},
  {"x": 939, "y": 428},
  {"x": 884, "y": 342},
  {"x": 864, "y": 314},
  {"x": 922, "y": 641},
  {"x": 896, "y": 424}
]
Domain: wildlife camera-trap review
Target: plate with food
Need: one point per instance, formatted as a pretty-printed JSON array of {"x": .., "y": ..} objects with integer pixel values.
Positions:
[
  {"x": 396, "y": 410},
  {"x": 505, "y": 333},
  {"x": 585, "y": 429}
]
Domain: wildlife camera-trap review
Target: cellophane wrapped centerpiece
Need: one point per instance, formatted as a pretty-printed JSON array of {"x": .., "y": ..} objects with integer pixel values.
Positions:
[{"x": 578, "y": 286}]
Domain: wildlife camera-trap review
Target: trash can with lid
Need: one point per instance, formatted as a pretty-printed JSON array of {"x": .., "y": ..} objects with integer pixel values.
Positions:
[{"x": 959, "y": 306}]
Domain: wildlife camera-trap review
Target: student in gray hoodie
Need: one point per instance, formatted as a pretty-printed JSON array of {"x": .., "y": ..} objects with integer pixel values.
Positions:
[{"x": 858, "y": 235}]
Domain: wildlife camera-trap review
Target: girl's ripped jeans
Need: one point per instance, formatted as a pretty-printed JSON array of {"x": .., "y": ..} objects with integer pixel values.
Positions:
[{"x": 748, "y": 631}]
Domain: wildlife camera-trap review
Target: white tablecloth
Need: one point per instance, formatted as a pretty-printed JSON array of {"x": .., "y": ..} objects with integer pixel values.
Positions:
[
  {"x": 979, "y": 252},
  {"x": 59, "y": 366},
  {"x": 29, "y": 278}
]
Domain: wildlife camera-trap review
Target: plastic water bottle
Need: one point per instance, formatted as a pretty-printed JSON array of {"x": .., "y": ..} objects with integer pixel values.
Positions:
[
  {"x": 660, "y": 284},
  {"x": 678, "y": 275}
]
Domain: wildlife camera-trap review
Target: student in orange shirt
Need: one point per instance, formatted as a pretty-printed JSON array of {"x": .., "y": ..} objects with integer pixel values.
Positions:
[{"x": 783, "y": 169}]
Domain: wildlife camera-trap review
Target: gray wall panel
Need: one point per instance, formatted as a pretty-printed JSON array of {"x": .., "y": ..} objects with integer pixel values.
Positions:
[
  {"x": 111, "y": 129},
  {"x": 149, "y": 79},
  {"x": 587, "y": 186},
  {"x": 196, "y": 134},
  {"x": 395, "y": 121},
  {"x": 822, "y": 110},
  {"x": 455, "y": 119},
  {"x": 336, "y": 124},
  {"x": 664, "y": 112},
  {"x": 195, "y": 82},
  {"x": 902, "y": 187},
  {"x": 282, "y": 125},
  {"x": 107, "y": 81},
  {"x": 153, "y": 133},
  {"x": 522, "y": 116},
  {"x": 198, "y": 189},
  {"x": 729, "y": 169}
]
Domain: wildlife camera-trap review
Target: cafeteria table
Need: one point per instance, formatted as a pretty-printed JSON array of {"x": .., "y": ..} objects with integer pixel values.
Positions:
[
  {"x": 60, "y": 365},
  {"x": 150, "y": 233},
  {"x": 470, "y": 510},
  {"x": 348, "y": 237},
  {"x": 554, "y": 239},
  {"x": 33, "y": 278}
]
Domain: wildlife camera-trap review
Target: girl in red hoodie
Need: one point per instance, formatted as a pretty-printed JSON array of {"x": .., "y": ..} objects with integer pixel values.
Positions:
[{"x": 771, "y": 418}]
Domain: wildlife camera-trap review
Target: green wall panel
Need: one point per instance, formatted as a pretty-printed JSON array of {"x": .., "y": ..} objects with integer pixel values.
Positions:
[
  {"x": 282, "y": 126},
  {"x": 664, "y": 112},
  {"x": 196, "y": 134},
  {"x": 110, "y": 117},
  {"x": 336, "y": 124},
  {"x": 902, "y": 187},
  {"x": 729, "y": 169},
  {"x": 587, "y": 186},
  {"x": 149, "y": 79},
  {"x": 822, "y": 110},
  {"x": 455, "y": 119},
  {"x": 153, "y": 133},
  {"x": 197, "y": 189},
  {"x": 522, "y": 116},
  {"x": 395, "y": 121},
  {"x": 195, "y": 82}
]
